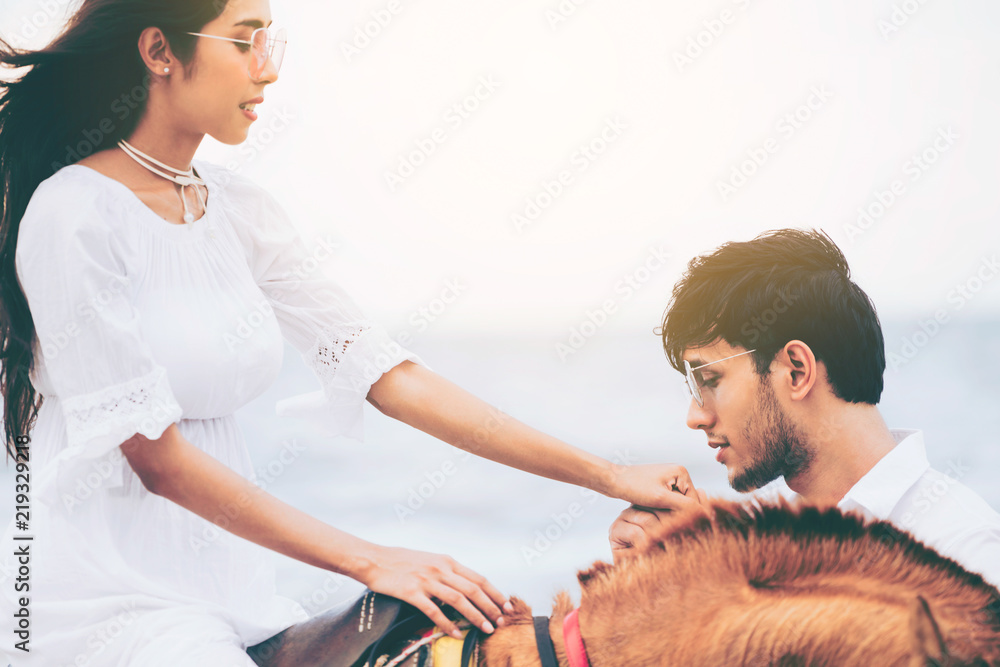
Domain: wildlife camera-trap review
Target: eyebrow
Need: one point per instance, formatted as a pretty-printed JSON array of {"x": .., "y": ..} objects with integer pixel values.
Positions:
[
  {"x": 252, "y": 23},
  {"x": 697, "y": 362}
]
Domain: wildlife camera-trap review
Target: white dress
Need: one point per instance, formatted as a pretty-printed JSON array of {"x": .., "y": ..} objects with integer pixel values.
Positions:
[{"x": 143, "y": 323}]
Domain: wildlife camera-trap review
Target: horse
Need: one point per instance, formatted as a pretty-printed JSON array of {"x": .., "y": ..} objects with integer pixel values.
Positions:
[{"x": 727, "y": 583}]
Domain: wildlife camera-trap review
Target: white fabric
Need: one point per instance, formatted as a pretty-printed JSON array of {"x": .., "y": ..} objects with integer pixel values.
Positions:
[
  {"x": 938, "y": 510},
  {"x": 144, "y": 323}
]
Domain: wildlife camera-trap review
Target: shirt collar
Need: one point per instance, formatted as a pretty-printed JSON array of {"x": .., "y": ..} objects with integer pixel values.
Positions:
[{"x": 881, "y": 489}]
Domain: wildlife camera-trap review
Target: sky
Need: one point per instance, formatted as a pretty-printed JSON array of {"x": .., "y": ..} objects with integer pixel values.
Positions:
[
  {"x": 544, "y": 169},
  {"x": 518, "y": 166}
]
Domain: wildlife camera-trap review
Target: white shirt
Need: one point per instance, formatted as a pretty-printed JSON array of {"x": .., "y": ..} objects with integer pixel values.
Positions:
[{"x": 937, "y": 509}]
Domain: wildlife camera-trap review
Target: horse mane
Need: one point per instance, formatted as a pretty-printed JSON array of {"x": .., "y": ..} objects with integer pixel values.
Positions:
[
  {"x": 734, "y": 565},
  {"x": 784, "y": 541}
]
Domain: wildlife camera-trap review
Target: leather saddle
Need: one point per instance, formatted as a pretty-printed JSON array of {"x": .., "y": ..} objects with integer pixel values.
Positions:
[{"x": 374, "y": 625}]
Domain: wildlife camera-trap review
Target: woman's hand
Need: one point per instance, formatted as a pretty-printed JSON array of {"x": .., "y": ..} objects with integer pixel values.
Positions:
[
  {"x": 424, "y": 580},
  {"x": 659, "y": 486},
  {"x": 421, "y": 398}
]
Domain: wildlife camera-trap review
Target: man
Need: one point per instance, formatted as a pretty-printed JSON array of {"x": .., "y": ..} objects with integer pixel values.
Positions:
[{"x": 784, "y": 357}]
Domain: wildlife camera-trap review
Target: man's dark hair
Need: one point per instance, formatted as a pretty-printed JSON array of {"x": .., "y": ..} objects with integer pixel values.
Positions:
[{"x": 786, "y": 284}]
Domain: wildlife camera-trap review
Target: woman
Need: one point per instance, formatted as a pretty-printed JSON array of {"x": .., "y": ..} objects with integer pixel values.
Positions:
[{"x": 130, "y": 270}]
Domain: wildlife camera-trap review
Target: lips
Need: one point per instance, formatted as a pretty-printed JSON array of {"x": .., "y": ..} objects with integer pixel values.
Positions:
[
  {"x": 252, "y": 104},
  {"x": 721, "y": 446}
]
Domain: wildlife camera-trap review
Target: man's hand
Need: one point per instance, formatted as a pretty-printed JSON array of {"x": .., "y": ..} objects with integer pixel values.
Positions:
[{"x": 636, "y": 528}]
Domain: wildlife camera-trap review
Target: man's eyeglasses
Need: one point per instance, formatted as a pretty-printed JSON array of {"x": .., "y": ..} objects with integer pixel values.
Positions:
[
  {"x": 263, "y": 47},
  {"x": 694, "y": 382}
]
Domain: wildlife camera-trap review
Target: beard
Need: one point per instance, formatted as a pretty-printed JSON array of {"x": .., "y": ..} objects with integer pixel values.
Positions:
[{"x": 776, "y": 447}]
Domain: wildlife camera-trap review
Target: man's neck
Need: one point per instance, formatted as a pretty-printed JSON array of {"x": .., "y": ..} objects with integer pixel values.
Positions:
[{"x": 845, "y": 446}]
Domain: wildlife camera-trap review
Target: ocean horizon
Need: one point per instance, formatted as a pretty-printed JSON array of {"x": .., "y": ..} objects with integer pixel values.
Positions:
[{"x": 616, "y": 397}]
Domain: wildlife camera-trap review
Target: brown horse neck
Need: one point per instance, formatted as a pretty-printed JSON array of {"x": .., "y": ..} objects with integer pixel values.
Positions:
[{"x": 514, "y": 644}]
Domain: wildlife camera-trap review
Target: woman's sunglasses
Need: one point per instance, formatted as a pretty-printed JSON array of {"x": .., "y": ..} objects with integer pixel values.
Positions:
[{"x": 263, "y": 47}]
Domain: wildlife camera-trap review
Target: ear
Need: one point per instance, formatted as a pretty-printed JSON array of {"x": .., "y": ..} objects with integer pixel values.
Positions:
[
  {"x": 154, "y": 49},
  {"x": 928, "y": 644},
  {"x": 796, "y": 368}
]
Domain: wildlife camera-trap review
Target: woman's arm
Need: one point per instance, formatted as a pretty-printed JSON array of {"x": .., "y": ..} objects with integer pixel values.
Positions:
[
  {"x": 421, "y": 398},
  {"x": 172, "y": 467}
]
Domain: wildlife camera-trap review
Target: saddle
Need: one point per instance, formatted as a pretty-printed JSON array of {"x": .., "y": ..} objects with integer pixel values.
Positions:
[{"x": 376, "y": 631}]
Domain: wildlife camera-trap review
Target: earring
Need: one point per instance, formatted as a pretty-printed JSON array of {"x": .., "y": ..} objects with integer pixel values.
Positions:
[{"x": 166, "y": 70}]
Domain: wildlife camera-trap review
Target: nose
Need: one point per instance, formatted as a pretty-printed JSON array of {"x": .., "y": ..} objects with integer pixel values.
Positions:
[
  {"x": 270, "y": 73},
  {"x": 700, "y": 417}
]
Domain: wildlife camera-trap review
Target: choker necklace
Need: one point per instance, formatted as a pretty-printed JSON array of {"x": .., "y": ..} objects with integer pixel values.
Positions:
[{"x": 182, "y": 178}]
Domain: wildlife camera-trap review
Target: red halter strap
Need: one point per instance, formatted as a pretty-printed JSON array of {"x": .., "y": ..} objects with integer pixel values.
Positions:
[{"x": 573, "y": 640}]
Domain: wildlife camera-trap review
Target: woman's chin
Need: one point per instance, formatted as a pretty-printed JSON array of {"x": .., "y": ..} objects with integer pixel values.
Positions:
[{"x": 232, "y": 137}]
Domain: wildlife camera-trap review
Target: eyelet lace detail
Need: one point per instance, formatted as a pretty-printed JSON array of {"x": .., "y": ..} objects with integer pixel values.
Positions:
[
  {"x": 347, "y": 359},
  {"x": 327, "y": 354},
  {"x": 142, "y": 405}
]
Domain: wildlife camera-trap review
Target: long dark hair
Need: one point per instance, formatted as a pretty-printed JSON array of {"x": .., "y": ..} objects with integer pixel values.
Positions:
[{"x": 83, "y": 92}]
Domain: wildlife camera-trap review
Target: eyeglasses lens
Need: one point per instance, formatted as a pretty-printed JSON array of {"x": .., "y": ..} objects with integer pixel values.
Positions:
[
  {"x": 692, "y": 383},
  {"x": 266, "y": 47}
]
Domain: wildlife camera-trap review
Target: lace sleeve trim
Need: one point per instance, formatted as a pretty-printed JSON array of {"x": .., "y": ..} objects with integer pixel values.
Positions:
[
  {"x": 141, "y": 405},
  {"x": 347, "y": 359},
  {"x": 327, "y": 355}
]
